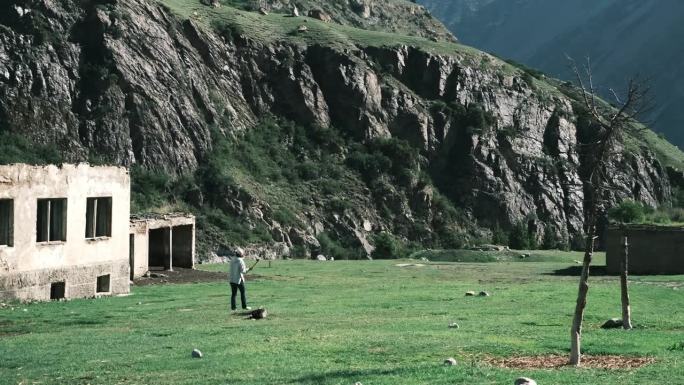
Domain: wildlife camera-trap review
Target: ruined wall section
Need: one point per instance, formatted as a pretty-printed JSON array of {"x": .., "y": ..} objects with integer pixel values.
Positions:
[
  {"x": 182, "y": 239},
  {"x": 652, "y": 249}
]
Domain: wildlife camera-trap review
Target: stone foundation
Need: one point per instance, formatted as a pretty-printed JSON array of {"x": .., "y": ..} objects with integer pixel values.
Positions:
[{"x": 80, "y": 282}]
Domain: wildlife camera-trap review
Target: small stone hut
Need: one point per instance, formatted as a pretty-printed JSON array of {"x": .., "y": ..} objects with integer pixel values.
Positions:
[
  {"x": 161, "y": 242},
  {"x": 652, "y": 249}
]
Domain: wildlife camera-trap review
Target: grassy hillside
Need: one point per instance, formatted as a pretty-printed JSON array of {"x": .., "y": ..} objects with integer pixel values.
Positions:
[{"x": 343, "y": 322}]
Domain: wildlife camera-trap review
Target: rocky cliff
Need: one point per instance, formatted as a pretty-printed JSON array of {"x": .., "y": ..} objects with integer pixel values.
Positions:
[{"x": 152, "y": 84}]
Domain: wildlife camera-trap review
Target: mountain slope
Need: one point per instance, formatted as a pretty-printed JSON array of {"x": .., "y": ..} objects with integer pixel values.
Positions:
[
  {"x": 315, "y": 140},
  {"x": 623, "y": 38}
]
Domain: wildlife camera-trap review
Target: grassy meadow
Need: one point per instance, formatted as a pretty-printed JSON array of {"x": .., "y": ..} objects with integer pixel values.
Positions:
[{"x": 341, "y": 322}]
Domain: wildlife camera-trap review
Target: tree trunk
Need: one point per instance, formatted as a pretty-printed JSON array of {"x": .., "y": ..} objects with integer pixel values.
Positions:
[
  {"x": 624, "y": 267},
  {"x": 576, "y": 331}
]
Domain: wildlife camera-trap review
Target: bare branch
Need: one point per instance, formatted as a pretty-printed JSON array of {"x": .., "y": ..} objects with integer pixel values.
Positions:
[
  {"x": 615, "y": 95},
  {"x": 591, "y": 82}
]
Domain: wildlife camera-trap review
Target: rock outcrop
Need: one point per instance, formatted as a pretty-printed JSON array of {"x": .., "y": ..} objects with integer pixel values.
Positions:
[{"x": 135, "y": 84}]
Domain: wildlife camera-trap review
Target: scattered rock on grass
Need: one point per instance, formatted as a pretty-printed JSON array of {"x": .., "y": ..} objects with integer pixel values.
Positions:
[
  {"x": 453, "y": 325},
  {"x": 450, "y": 361},
  {"x": 612, "y": 323},
  {"x": 470, "y": 294},
  {"x": 483, "y": 294},
  {"x": 302, "y": 28},
  {"x": 321, "y": 258},
  {"x": 525, "y": 381},
  {"x": 196, "y": 353}
]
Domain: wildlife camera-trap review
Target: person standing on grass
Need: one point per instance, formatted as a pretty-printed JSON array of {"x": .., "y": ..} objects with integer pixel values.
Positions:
[{"x": 238, "y": 269}]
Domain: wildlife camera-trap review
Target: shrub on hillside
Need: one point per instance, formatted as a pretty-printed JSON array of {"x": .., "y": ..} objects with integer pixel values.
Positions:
[
  {"x": 551, "y": 241},
  {"x": 628, "y": 211},
  {"x": 15, "y": 148},
  {"x": 386, "y": 247},
  {"x": 391, "y": 157},
  {"x": 499, "y": 236},
  {"x": 337, "y": 248},
  {"x": 520, "y": 237}
]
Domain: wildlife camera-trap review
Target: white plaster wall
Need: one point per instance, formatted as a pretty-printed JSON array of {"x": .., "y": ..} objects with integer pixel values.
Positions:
[
  {"x": 141, "y": 249},
  {"x": 26, "y": 184}
]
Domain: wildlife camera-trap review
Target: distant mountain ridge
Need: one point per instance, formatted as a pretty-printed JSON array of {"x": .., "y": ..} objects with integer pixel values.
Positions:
[{"x": 623, "y": 38}]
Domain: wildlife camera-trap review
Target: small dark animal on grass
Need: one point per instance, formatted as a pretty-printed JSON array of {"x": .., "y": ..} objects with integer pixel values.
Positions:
[{"x": 255, "y": 314}]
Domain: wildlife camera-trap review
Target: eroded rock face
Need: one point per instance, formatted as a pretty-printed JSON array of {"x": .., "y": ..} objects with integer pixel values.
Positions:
[{"x": 134, "y": 83}]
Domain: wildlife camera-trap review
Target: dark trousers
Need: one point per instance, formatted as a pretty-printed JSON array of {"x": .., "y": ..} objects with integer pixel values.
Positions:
[{"x": 234, "y": 289}]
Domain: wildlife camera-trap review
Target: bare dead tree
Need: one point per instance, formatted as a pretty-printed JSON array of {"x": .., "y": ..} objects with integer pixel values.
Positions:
[{"x": 609, "y": 124}]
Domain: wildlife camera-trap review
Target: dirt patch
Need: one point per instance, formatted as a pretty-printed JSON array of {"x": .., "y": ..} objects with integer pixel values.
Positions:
[
  {"x": 556, "y": 361},
  {"x": 180, "y": 276}
]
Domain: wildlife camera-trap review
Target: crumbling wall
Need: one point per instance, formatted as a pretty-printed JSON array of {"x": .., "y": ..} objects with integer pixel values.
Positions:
[{"x": 652, "y": 250}]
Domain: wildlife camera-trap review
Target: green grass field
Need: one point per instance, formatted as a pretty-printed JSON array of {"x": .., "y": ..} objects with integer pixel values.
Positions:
[{"x": 342, "y": 322}]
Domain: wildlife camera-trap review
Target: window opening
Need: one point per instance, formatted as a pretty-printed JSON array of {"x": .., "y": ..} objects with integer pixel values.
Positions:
[
  {"x": 6, "y": 222},
  {"x": 99, "y": 217},
  {"x": 51, "y": 223},
  {"x": 57, "y": 290},
  {"x": 103, "y": 284}
]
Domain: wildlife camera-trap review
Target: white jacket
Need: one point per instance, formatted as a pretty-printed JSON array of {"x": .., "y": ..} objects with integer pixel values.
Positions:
[{"x": 237, "y": 270}]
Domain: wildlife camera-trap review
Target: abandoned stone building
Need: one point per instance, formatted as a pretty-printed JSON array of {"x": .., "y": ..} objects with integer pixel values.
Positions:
[
  {"x": 652, "y": 249},
  {"x": 161, "y": 242},
  {"x": 66, "y": 232},
  {"x": 63, "y": 231}
]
